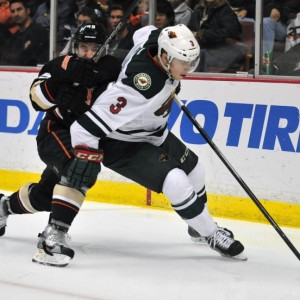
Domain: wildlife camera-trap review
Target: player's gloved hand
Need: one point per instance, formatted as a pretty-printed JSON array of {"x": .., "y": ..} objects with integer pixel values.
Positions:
[
  {"x": 72, "y": 69},
  {"x": 85, "y": 167},
  {"x": 107, "y": 69},
  {"x": 72, "y": 98}
]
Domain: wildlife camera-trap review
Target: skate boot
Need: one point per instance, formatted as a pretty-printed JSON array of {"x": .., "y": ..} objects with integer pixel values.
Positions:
[
  {"x": 226, "y": 245},
  {"x": 198, "y": 238},
  {"x": 53, "y": 249},
  {"x": 3, "y": 213}
]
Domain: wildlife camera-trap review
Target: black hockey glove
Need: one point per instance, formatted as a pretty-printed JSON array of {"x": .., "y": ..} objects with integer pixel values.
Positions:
[
  {"x": 72, "y": 98},
  {"x": 73, "y": 70},
  {"x": 107, "y": 69},
  {"x": 85, "y": 167}
]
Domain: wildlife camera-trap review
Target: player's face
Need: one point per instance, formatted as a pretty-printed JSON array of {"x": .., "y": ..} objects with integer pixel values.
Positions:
[
  {"x": 179, "y": 69},
  {"x": 87, "y": 50},
  {"x": 81, "y": 19}
]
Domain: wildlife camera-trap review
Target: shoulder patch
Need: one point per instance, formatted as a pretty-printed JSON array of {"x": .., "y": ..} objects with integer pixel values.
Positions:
[{"x": 142, "y": 81}]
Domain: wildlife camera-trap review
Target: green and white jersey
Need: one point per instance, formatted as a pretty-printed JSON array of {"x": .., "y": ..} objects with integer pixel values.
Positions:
[{"x": 136, "y": 107}]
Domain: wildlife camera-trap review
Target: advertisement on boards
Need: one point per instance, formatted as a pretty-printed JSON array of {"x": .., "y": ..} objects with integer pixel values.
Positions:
[{"x": 254, "y": 124}]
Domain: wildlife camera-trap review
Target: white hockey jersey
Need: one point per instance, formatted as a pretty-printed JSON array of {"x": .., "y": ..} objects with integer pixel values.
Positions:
[{"x": 135, "y": 108}]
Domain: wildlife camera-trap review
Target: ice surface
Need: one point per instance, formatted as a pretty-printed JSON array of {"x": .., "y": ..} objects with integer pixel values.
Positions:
[{"x": 132, "y": 253}]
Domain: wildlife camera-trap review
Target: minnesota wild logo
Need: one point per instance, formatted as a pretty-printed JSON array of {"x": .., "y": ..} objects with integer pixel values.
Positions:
[{"x": 142, "y": 81}]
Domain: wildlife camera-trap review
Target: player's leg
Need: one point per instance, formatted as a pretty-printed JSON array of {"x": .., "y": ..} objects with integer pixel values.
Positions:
[
  {"x": 185, "y": 187},
  {"x": 30, "y": 198},
  {"x": 156, "y": 169},
  {"x": 54, "y": 146}
]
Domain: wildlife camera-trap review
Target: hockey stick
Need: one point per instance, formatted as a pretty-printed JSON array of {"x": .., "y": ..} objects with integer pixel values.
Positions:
[
  {"x": 237, "y": 176},
  {"x": 122, "y": 22}
]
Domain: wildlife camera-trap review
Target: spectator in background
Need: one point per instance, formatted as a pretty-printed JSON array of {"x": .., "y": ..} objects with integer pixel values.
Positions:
[
  {"x": 42, "y": 17},
  {"x": 275, "y": 18},
  {"x": 124, "y": 3},
  {"x": 217, "y": 29},
  {"x": 123, "y": 41},
  {"x": 244, "y": 9},
  {"x": 33, "y": 5},
  {"x": 77, "y": 5},
  {"x": 84, "y": 16},
  {"x": 7, "y": 26},
  {"x": 182, "y": 11},
  {"x": 139, "y": 12},
  {"x": 165, "y": 15},
  {"x": 104, "y": 5},
  {"x": 288, "y": 64},
  {"x": 29, "y": 45}
]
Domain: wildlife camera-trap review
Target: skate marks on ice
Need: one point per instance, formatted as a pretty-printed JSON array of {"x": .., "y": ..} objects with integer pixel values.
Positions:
[{"x": 124, "y": 252}]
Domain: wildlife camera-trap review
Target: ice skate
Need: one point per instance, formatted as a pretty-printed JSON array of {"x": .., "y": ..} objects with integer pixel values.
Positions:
[
  {"x": 53, "y": 249},
  {"x": 3, "y": 213},
  {"x": 198, "y": 238},
  {"x": 227, "y": 246}
]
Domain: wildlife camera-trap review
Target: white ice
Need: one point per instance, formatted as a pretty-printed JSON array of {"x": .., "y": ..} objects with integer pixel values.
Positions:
[{"x": 132, "y": 253}]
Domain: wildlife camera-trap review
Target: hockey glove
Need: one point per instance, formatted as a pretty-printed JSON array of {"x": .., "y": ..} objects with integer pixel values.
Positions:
[
  {"x": 85, "y": 167},
  {"x": 73, "y": 70},
  {"x": 107, "y": 69},
  {"x": 72, "y": 98}
]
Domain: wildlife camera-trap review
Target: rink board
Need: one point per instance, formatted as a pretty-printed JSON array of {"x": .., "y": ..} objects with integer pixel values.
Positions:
[{"x": 254, "y": 123}]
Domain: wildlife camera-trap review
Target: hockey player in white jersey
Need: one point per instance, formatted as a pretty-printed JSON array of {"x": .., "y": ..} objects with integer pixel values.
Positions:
[{"x": 129, "y": 122}]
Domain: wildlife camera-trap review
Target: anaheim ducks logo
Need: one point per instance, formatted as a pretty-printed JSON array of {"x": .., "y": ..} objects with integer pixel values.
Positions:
[
  {"x": 142, "y": 81},
  {"x": 165, "y": 109}
]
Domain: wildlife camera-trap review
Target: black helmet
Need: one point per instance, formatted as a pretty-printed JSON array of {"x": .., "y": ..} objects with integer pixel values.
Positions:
[{"x": 89, "y": 33}]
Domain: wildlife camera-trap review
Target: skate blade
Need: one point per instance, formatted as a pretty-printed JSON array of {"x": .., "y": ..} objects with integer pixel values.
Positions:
[
  {"x": 239, "y": 257},
  {"x": 199, "y": 240},
  {"x": 56, "y": 260}
]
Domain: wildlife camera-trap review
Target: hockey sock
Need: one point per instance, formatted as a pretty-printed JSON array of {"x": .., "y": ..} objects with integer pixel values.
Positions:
[
  {"x": 187, "y": 203},
  {"x": 196, "y": 177},
  {"x": 19, "y": 202},
  {"x": 66, "y": 203}
]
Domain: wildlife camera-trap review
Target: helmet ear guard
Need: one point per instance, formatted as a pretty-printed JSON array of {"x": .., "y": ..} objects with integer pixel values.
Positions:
[{"x": 179, "y": 42}]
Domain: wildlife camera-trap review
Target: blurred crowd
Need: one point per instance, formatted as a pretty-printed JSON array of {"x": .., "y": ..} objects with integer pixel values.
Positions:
[{"x": 224, "y": 29}]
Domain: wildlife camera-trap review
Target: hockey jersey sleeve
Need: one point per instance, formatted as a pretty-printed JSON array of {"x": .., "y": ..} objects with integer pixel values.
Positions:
[{"x": 44, "y": 88}]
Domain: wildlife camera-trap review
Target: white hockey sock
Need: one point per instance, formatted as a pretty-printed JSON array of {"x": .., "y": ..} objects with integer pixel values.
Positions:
[{"x": 186, "y": 203}]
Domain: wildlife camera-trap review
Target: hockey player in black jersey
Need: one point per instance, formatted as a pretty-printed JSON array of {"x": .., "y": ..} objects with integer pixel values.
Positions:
[
  {"x": 65, "y": 88},
  {"x": 129, "y": 123}
]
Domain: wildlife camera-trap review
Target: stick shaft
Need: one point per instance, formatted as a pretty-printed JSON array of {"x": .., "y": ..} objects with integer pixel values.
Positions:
[{"x": 237, "y": 177}]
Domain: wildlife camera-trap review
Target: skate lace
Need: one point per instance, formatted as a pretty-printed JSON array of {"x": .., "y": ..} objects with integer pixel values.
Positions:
[
  {"x": 57, "y": 237},
  {"x": 221, "y": 239}
]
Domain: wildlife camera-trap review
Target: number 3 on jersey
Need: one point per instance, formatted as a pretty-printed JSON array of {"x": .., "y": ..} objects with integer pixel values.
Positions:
[{"x": 116, "y": 108}]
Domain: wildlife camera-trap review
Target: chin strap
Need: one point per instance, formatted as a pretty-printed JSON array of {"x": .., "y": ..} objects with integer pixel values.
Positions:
[{"x": 166, "y": 68}]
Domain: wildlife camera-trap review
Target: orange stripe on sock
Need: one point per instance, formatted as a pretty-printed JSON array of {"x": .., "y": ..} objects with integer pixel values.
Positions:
[{"x": 66, "y": 205}]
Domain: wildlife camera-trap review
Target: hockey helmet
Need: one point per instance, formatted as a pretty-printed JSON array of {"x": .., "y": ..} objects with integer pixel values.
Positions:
[
  {"x": 179, "y": 42},
  {"x": 89, "y": 33}
]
